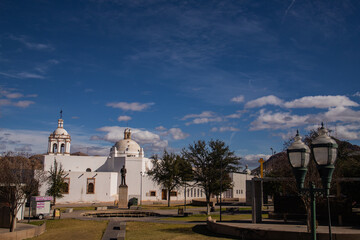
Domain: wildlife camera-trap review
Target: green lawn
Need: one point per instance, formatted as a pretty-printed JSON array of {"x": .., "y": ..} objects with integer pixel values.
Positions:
[
  {"x": 203, "y": 217},
  {"x": 78, "y": 208},
  {"x": 160, "y": 231},
  {"x": 73, "y": 229}
]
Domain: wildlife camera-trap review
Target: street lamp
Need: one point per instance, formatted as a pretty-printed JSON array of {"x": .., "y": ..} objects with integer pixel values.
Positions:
[
  {"x": 324, "y": 150},
  {"x": 141, "y": 188}
]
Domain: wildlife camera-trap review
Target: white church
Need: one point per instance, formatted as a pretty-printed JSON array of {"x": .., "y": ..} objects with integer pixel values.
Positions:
[{"x": 94, "y": 179}]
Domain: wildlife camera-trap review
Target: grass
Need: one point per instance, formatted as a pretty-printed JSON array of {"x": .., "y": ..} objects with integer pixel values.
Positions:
[
  {"x": 78, "y": 208},
  {"x": 161, "y": 231},
  {"x": 73, "y": 229},
  {"x": 37, "y": 223},
  {"x": 203, "y": 217}
]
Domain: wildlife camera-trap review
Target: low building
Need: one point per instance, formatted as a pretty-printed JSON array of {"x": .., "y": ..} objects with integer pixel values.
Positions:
[{"x": 92, "y": 179}]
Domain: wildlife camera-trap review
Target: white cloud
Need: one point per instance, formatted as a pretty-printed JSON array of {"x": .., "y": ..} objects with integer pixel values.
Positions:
[
  {"x": 91, "y": 149},
  {"x": 304, "y": 102},
  {"x": 160, "y": 128},
  {"x": 135, "y": 106},
  {"x": 23, "y": 104},
  {"x": 341, "y": 114},
  {"x": 29, "y": 75},
  {"x": 279, "y": 120},
  {"x": 357, "y": 94},
  {"x": 348, "y": 132},
  {"x": 124, "y": 118},
  {"x": 234, "y": 115},
  {"x": 224, "y": 129},
  {"x": 255, "y": 157},
  {"x": 267, "y": 100},
  {"x": 238, "y": 99},
  {"x": 32, "y": 45},
  {"x": 204, "y": 117},
  {"x": 5, "y": 102},
  {"x": 151, "y": 140},
  {"x": 204, "y": 114},
  {"x": 321, "y": 102},
  {"x": 177, "y": 133},
  {"x": 31, "y": 141},
  {"x": 14, "y": 95},
  {"x": 204, "y": 120}
]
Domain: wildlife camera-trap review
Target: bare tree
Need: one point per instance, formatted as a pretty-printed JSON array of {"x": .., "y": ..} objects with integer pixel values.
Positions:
[{"x": 19, "y": 180}]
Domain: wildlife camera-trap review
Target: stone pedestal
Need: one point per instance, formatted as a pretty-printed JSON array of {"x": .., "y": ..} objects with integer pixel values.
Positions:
[{"x": 123, "y": 196}]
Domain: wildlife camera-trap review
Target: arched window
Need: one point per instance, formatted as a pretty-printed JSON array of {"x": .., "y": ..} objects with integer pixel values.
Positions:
[
  {"x": 54, "y": 148},
  {"x": 66, "y": 186},
  {"x": 90, "y": 186},
  {"x": 88, "y": 170},
  {"x": 62, "y": 148}
]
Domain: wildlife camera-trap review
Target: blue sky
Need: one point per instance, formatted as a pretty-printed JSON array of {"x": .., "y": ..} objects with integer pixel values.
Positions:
[{"x": 246, "y": 72}]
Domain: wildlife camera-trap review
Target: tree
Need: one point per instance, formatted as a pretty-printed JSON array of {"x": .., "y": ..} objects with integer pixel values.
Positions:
[
  {"x": 56, "y": 181},
  {"x": 210, "y": 162},
  {"x": 18, "y": 181},
  {"x": 166, "y": 172}
]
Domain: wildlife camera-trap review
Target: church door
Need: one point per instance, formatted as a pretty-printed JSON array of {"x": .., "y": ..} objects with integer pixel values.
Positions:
[{"x": 164, "y": 194}]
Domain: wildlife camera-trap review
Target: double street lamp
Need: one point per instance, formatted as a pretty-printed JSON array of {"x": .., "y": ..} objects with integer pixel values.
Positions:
[{"x": 324, "y": 150}]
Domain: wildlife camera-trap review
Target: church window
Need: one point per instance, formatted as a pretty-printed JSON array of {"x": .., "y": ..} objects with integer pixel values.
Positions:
[
  {"x": 173, "y": 193},
  {"x": 55, "y": 148},
  {"x": 62, "y": 148},
  {"x": 66, "y": 186},
  {"x": 152, "y": 193},
  {"x": 241, "y": 191},
  {"x": 198, "y": 192},
  {"x": 191, "y": 192},
  {"x": 88, "y": 170},
  {"x": 201, "y": 192},
  {"x": 188, "y": 190},
  {"x": 90, "y": 186}
]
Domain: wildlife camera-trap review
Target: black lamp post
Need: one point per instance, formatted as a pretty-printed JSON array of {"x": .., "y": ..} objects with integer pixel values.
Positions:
[{"x": 324, "y": 150}]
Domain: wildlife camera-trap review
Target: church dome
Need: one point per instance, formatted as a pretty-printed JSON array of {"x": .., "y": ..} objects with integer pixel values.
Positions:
[
  {"x": 60, "y": 131},
  {"x": 127, "y": 146}
]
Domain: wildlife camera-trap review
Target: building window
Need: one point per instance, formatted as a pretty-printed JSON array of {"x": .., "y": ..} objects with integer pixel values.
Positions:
[
  {"x": 62, "y": 148},
  {"x": 188, "y": 190},
  {"x": 201, "y": 192},
  {"x": 54, "y": 148},
  {"x": 191, "y": 192},
  {"x": 152, "y": 193},
  {"x": 173, "y": 193},
  {"x": 198, "y": 192},
  {"x": 66, "y": 186},
  {"x": 90, "y": 186},
  {"x": 241, "y": 191},
  {"x": 88, "y": 169}
]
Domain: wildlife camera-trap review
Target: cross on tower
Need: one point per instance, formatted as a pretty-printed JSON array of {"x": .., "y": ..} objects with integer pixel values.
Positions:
[{"x": 61, "y": 114}]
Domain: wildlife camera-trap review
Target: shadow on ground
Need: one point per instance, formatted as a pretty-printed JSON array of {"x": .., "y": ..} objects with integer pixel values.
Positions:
[{"x": 202, "y": 229}]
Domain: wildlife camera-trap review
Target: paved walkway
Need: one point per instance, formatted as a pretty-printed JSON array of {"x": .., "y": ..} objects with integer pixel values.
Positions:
[{"x": 19, "y": 227}]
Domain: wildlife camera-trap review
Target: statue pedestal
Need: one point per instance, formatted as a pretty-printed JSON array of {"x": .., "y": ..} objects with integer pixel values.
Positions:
[{"x": 123, "y": 196}]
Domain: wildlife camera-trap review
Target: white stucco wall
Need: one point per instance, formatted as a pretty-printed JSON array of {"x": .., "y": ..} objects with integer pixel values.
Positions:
[
  {"x": 239, "y": 188},
  {"x": 105, "y": 187},
  {"x": 75, "y": 163}
]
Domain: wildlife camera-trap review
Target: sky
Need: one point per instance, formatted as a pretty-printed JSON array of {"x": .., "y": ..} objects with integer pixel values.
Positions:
[{"x": 249, "y": 73}]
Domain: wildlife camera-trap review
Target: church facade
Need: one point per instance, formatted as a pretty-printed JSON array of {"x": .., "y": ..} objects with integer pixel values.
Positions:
[{"x": 92, "y": 179}]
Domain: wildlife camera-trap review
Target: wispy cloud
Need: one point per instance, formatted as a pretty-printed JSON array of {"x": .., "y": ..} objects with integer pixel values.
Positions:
[
  {"x": 134, "y": 106},
  {"x": 238, "y": 99},
  {"x": 124, "y": 118},
  {"x": 304, "y": 102},
  {"x": 224, "y": 129},
  {"x": 22, "y": 75},
  {"x": 32, "y": 45}
]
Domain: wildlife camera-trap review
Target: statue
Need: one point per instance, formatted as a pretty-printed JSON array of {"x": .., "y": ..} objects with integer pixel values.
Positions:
[{"x": 123, "y": 175}]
